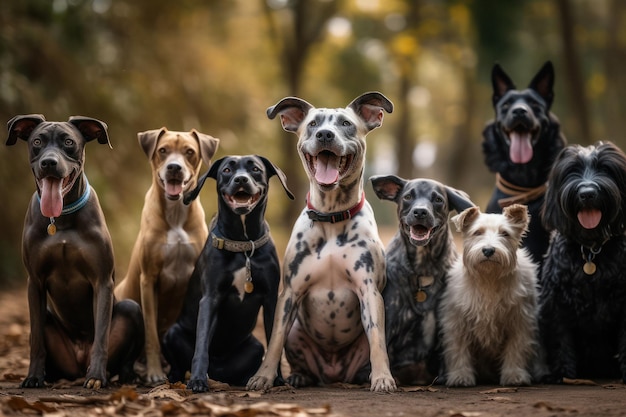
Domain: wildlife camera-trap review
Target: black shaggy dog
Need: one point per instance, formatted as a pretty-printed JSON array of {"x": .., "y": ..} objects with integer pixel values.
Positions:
[
  {"x": 520, "y": 145},
  {"x": 583, "y": 284}
]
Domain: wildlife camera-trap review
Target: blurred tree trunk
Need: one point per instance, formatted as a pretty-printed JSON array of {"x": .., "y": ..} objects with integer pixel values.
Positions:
[
  {"x": 293, "y": 43},
  {"x": 575, "y": 81},
  {"x": 615, "y": 56}
]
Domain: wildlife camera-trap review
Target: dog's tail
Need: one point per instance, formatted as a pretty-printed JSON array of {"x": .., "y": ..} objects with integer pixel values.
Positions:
[{"x": 193, "y": 194}]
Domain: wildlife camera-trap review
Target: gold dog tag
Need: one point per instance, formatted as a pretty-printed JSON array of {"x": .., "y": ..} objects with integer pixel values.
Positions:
[
  {"x": 421, "y": 296},
  {"x": 589, "y": 268},
  {"x": 248, "y": 287},
  {"x": 52, "y": 228}
]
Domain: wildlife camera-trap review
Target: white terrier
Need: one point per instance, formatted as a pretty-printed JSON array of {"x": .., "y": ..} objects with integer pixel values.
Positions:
[{"x": 489, "y": 308}]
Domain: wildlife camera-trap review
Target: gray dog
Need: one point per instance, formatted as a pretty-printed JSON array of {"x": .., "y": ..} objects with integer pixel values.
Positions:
[
  {"x": 76, "y": 327},
  {"x": 334, "y": 266},
  {"x": 418, "y": 259}
]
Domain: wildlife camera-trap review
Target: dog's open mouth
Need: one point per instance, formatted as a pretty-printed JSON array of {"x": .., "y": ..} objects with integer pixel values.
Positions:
[
  {"x": 420, "y": 235},
  {"x": 589, "y": 218},
  {"x": 52, "y": 191},
  {"x": 174, "y": 188},
  {"x": 521, "y": 146},
  {"x": 328, "y": 167},
  {"x": 242, "y": 202}
]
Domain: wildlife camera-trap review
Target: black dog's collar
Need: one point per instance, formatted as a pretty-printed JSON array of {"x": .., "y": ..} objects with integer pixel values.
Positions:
[
  {"x": 519, "y": 195},
  {"x": 239, "y": 245},
  {"x": 336, "y": 217}
]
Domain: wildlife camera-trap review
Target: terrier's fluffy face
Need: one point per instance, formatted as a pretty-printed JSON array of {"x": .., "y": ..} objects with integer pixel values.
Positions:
[{"x": 490, "y": 241}]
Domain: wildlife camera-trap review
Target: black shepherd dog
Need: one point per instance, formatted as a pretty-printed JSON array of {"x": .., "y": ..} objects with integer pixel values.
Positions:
[{"x": 520, "y": 145}]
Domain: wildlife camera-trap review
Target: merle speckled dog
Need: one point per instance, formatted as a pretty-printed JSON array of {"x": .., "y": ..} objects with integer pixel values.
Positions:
[
  {"x": 236, "y": 274},
  {"x": 418, "y": 259},
  {"x": 583, "y": 291},
  {"x": 330, "y": 314},
  {"x": 520, "y": 145}
]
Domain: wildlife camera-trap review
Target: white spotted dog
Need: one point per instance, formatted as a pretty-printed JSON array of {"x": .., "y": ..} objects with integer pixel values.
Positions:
[
  {"x": 489, "y": 308},
  {"x": 330, "y": 313}
]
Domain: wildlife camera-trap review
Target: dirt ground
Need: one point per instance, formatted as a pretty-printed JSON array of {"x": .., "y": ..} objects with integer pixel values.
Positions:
[{"x": 598, "y": 398}]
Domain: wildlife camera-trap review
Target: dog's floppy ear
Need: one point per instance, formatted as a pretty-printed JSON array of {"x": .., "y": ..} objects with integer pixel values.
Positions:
[
  {"x": 91, "y": 129},
  {"x": 148, "y": 140},
  {"x": 211, "y": 173},
  {"x": 501, "y": 83},
  {"x": 518, "y": 215},
  {"x": 292, "y": 111},
  {"x": 272, "y": 170},
  {"x": 208, "y": 146},
  {"x": 387, "y": 187},
  {"x": 369, "y": 107},
  {"x": 465, "y": 218},
  {"x": 458, "y": 200},
  {"x": 22, "y": 126},
  {"x": 543, "y": 83}
]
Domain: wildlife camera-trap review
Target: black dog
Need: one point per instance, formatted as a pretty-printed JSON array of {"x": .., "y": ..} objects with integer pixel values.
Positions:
[
  {"x": 76, "y": 327},
  {"x": 520, "y": 145},
  {"x": 237, "y": 273},
  {"x": 583, "y": 286},
  {"x": 418, "y": 259}
]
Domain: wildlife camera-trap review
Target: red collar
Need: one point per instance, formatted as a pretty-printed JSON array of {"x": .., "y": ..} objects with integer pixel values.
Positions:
[{"x": 336, "y": 217}]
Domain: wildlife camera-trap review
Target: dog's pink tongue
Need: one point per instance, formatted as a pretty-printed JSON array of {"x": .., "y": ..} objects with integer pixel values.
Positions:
[
  {"x": 589, "y": 218},
  {"x": 51, "y": 202},
  {"x": 173, "y": 188},
  {"x": 521, "y": 147},
  {"x": 326, "y": 171}
]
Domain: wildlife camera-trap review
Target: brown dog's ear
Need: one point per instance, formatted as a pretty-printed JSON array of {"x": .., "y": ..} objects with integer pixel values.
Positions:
[
  {"x": 501, "y": 83},
  {"x": 369, "y": 107},
  {"x": 208, "y": 146},
  {"x": 274, "y": 170},
  {"x": 20, "y": 127},
  {"x": 518, "y": 215},
  {"x": 91, "y": 129},
  {"x": 148, "y": 140},
  {"x": 292, "y": 111},
  {"x": 465, "y": 218},
  {"x": 387, "y": 187}
]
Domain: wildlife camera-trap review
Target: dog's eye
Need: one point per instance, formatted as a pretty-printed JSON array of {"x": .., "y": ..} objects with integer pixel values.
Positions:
[
  {"x": 226, "y": 171},
  {"x": 190, "y": 152},
  {"x": 162, "y": 150},
  {"x": 407, "y": 197},
  {"x": 477, "y": 233},
  {"x": 312, "y": 123},
  {"x": 69, "y": 142},
  {"x": 346, "y": 123},
  {"x": 438, "y": 200},
  {"x": 37, "y": 142},
  {"x": 256, "y": 169},
  {"x": 504, "y": 233}
]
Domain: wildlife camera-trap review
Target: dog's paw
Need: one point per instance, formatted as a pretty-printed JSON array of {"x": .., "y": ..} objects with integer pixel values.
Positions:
[
  {"x": 259, "y": 383},
  {"x": 383, "y": 384},
  {"x": 154, "y": 379},
  {"x": 457, "y": 379},
  {"x": 198, "y": 385},
  {"x": 33, "y": 382},
  {"x": 515, "y": 377},
  {"x": 298, "y": 380},
  {"x": 95, "y": 383}
]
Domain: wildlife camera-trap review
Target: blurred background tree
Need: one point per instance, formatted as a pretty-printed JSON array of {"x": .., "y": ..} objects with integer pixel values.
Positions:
[{"x": 216, "y": 65}]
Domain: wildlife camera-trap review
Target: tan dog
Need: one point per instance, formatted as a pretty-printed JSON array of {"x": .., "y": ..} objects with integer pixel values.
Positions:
[{"x": 171, "y": 235}]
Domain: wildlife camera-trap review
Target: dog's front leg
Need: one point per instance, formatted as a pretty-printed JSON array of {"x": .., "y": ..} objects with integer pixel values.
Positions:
[
  {"x": 103, "y": 310},
  {"x": 37, "y": 313},
  {"x": 515, "y": 357},
  {"x": 286, "y": 309},
  {"x": 198, "y": 382},
  {"x": 373, "y": 319},
  {"x": 457, "y": 354},
  {"x": 149, "y": 306}
]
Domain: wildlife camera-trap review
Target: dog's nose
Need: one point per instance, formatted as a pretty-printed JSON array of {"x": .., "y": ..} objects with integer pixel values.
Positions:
[
  {"x": 241, "y": 179},
  {"x": 488, "y": 251},
  {"x": 519, "y": 111},
  {"x": 587, "y": 193},
  {"x": 48, "y": 162},
  {"x": 420, "y": 213},
  {"x": 174, "y": 167},
  {"x": 325, "y": 135}
]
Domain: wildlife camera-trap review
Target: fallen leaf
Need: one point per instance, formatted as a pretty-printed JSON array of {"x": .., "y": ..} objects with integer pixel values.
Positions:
[
  {"x": 568, "y": 381},
  {"x": 499, "y": 390}
]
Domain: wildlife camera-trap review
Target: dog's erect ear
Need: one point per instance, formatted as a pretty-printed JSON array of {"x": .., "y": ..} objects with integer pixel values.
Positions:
[
  {"x": 465, "y": 218},
  {"x": 543, "y": 83},
  {"x": 211, "y": 173},
  {"x": 292, "y": 111},
  {"x": 91, "y": 129},
  {"x": 272, "y": 170},
  {"x": 369, "y": 107},
  {"x": 458, "y": 200},
  {"x": 208, "y": 146},
  {"x": 387, "y": 187},
  {"x": 148, "y": 140},
  {"x": 501, "y": 83},
  {"x": 518, "y": 215},
  {"x": 22, "y": 126}
]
